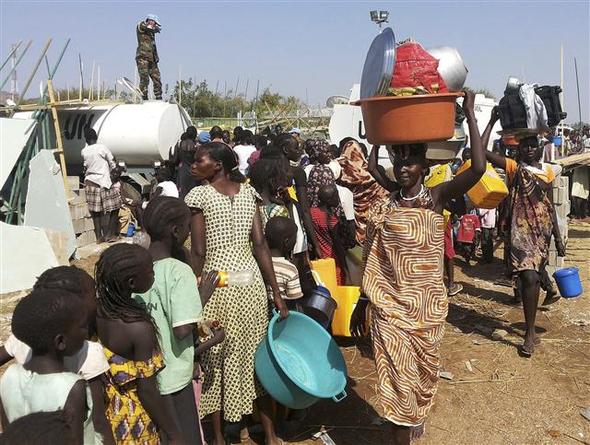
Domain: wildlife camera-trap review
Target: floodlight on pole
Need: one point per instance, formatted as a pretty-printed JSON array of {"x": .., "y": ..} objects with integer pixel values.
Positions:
[{"x": 379, "y": 17}]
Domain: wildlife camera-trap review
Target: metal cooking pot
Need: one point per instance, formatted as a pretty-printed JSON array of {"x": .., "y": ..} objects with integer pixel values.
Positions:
[
  {"x": 513, "y": 85},
  {"x": 445, "y": 150},
  {"x": 450, "y": 66}
]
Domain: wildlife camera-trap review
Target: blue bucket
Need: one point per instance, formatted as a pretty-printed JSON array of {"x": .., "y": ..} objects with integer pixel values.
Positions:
[
  {"x": 568, "y": 282},
  {"x": 298, "y": 362}
]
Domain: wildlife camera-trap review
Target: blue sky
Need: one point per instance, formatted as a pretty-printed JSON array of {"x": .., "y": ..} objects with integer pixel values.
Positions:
[{"x": 303, "y": 48}]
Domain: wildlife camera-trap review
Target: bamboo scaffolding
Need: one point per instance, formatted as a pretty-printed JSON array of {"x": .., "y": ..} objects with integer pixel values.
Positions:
[
  {"x": 12, "y": 51},
  {"x": 58, "y": 138},
  {"x": 16, "y": 64}
]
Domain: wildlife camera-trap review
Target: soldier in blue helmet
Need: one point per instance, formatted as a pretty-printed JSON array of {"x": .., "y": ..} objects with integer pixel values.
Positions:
[{"x": 146, "y": 55}]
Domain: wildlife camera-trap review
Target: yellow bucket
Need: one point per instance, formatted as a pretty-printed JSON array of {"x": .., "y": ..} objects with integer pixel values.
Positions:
[
  {"x": 347, "y": 298},
  {"x": 489, "y": 191}
]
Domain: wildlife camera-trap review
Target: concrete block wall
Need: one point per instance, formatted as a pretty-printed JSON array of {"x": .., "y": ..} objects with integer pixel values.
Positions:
[
  {"x": 562, "y": 205},
  {"x": 83, "y": 224}
]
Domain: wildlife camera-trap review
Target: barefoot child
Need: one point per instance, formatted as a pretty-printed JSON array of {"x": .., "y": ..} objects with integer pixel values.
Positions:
[
  {"x": 136, "y": 410},
  {"x": 281, "y": 233},
  {"x": 175, "y": 305},
  {"x": 53, "y": 324},
  {"x": 90, "y": 362}
]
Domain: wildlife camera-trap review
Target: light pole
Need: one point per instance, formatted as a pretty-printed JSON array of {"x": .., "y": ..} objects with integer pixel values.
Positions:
[{"x": 379, "y": 17}]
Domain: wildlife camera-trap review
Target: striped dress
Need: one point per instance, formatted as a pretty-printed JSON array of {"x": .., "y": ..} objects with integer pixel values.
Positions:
[{"x": 403, "y": 280}]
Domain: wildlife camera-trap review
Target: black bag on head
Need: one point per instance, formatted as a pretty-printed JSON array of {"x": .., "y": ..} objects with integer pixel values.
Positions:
[
  {"x": 512, "y": 112},
  {"x": 550, "y": 97}
]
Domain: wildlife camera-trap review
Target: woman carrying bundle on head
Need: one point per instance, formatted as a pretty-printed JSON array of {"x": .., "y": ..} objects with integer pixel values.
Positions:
[
  {"x": 226, "y": 235},
  {"x": 403, "y": 281},
  {"x": 531, "y": 221}
]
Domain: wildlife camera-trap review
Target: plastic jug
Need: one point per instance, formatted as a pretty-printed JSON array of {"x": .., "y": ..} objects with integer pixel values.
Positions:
[
  {"x": 489, "y": 191},
  {"x": 326, "y": 269},
  {"x": 438, "y": 175},
  {"x": 347, "y": 297}
]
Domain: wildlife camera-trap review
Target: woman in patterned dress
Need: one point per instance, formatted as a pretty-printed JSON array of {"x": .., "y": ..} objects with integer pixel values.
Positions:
[
  {"x": 403, "y": 281},
  {"x": 226, "y": 234},
  {"x": 532, "y": 221}
]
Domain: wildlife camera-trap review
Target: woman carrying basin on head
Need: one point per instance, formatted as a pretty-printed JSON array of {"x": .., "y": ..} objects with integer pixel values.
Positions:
[
  {"x": 531, "y": 221},
  {"x": 403, "y": 282}
]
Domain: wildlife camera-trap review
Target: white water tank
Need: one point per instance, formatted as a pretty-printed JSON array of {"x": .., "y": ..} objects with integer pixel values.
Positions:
[{"x": 137, "y": 134}]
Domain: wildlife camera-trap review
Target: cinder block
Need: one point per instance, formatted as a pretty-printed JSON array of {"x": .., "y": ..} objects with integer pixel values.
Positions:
[
  {"x": 74, "y": 183},
  {"x": 560, "y": 196},
  {"x": 79, "y": 196},
  {"x": 83, "y": 225},
  {"x": 564, "y": 181},
  {"x": 79, "y": 211}
]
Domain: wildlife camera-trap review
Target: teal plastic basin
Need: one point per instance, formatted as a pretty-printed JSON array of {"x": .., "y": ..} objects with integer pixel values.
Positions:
[{"x": 298, "y": 362}]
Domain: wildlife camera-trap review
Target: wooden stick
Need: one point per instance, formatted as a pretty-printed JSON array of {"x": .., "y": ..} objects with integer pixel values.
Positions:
[
  {"x": 458, "y": 382},
  {"x": 576, "y": 439},
  {"x": 58, "y": 138}
]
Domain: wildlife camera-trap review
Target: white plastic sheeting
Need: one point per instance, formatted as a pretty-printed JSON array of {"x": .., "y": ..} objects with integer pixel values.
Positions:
[
  {"x": 14, "y": 135},
  {"x": 47, "y": 204},
  {"x": 25, "y": 253}
]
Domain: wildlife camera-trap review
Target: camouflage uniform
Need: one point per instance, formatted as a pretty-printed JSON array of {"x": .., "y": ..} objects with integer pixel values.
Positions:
[{"x": 147, "y": 60}]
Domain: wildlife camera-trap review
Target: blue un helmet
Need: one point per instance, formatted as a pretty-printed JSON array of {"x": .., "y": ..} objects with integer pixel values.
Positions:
[{"x": 155, "y": 18}]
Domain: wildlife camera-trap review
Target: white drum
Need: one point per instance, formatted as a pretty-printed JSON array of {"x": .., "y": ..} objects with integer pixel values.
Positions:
[{"x": 137, "y": 134}]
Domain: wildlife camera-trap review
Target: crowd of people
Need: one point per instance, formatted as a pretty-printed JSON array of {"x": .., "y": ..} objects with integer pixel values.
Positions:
[{"x": 163, "y": 336}]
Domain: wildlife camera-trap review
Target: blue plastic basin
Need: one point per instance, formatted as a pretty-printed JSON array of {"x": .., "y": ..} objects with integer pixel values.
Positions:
[
  {"x": 568, "y": 281},
  {"x": 298, "y": 362}
]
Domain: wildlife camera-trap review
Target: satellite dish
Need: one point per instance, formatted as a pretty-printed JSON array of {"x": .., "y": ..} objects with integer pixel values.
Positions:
[
  {"x": 124, "y": 81},
  {"x": 336, "y": 100}
]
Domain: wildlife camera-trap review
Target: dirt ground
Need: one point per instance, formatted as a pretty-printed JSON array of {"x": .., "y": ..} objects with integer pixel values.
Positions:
[{"x": 496, "y": 396}]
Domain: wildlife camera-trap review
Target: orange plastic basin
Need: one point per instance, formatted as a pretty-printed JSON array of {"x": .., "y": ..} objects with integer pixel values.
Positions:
[{"x": 409, "y": 119}]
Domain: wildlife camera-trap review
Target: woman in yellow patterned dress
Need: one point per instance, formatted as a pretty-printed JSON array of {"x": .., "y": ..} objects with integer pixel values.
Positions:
[
  {"x": 403, "y": 283},
  {"x": 136, "y": 410},
  {"x": 226, "y": 235}
]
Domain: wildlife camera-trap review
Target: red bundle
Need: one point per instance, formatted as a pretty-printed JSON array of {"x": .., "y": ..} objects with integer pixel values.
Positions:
[{"x": 415, "y": 67}]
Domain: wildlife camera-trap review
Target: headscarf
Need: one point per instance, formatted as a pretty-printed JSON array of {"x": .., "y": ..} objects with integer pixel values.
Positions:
[
  {"x": 316, "y": 148},
  {"x": 321, "y": 174}
]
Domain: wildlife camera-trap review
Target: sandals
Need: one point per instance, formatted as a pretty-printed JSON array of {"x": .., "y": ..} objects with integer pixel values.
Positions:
[
  {"x": 454, "y": 289},
  {"x": 527, "y": 350}
]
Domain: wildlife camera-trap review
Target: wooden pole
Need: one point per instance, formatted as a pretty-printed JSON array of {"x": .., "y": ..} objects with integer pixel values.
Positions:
[
  {"x": 91, "y": 87},
  {"x": 12, "y": 51},
  {"x": 561, "y": 96},
  {"x": 180, "y": 85},
  {"x": 81, "y": 77},
  {"x": 13, "y": 69},
  {"x": 58, "y": 139},
  {"x": 578, "y": 87},
  {"x": 30, "y": 79}
]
